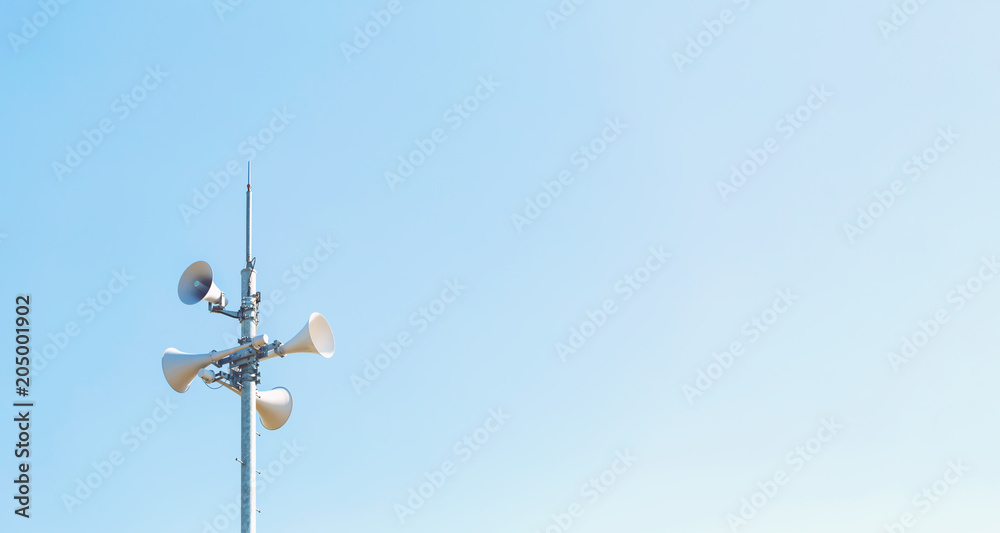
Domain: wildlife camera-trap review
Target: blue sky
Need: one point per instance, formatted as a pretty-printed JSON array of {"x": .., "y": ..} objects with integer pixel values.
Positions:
[{"x": 636, "y": 339}]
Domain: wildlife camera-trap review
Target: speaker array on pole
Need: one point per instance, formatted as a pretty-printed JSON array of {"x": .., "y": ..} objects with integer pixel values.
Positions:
[{"x": 274, "y": 407}]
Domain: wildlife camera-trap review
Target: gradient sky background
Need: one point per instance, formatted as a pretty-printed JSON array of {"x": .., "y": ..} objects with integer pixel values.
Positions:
[{"x": 323, "y": 177}]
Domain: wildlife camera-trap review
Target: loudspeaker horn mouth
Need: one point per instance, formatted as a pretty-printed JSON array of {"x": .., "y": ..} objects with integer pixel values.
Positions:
[
  {"x": 196, "y": 284},
  {"x": 315, "y": 337},
  {"x": 274, "y": 407}
]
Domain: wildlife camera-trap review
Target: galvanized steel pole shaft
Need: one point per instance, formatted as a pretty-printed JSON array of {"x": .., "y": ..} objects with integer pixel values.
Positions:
[{"x": 248, "y": 390}]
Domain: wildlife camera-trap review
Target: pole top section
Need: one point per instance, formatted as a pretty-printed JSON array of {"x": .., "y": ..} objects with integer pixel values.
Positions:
[{"x": 249, "y": 211}]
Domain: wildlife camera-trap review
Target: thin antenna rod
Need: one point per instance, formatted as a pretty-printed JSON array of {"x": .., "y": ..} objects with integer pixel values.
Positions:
[{"x": 249, "y": 212}]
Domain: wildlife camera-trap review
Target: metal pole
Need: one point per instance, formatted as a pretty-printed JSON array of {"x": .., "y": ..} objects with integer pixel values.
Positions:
[{"x": 248, "y": 390}]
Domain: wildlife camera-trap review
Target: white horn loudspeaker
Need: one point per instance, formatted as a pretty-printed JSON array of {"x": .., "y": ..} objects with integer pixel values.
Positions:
[
  {"x": 196, "y": 285},
  {"x": 315, "y": 337}
]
